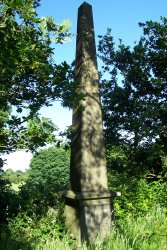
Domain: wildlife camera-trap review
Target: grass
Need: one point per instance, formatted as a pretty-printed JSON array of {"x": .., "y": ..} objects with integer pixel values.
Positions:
[
  {"x": 8, "y": 243},
  {"x": 146, "y": 232},
  {"x": 143, "y": 233}
]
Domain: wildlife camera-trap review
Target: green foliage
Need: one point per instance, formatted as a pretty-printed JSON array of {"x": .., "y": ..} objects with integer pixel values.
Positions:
[
  {"x": 164, "y": 167},
  {"x": 135, "y": 131},
  {"x": 138, "y": 195},
  {"x": 128, "y": 173},
  {"x": 145, "y": 232},
  {"x": 143, "y": 161},
  {"x": 8, "y": 243},
  {"x": 141, "y": 96},
  {"x": 39, "y": 132},
  {"x": 39, "y": 209},
  {"x": 15, "y": 177},
  {"x": 29, "y": 77},
  {"x": 9, "y": 200},
  {"x": 134, "y": 107},
  {"x": 35, "y": 229},
  {"x": 48, "y": 175},
  {"x": 51, "y": 167}
]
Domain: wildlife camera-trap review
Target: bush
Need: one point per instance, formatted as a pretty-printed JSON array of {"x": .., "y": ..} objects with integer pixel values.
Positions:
[
  {"x": 35, "y": 229},
  {"x": 138, "y": 195},
  {"x": 146, "y": 232},
  {"x": 9, "y": 200}
]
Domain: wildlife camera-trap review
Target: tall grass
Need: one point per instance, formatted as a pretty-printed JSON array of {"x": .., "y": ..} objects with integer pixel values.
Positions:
[
  {"x": 147, "y": 232},
  {"x": 143, "y": 233},
  {"x": 8, "y": 243}
]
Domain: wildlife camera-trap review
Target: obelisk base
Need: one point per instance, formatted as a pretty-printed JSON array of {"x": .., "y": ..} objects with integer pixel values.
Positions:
[{"x": 89, "y": 214}]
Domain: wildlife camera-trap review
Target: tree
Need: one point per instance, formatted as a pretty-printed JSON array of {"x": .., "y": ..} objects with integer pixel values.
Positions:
[
  {"x": 135, "y": 110},
  {"x": 51, "y": 168},
  {"x": 15, "y": 177},
  {"x": 29, "y": 77},
  {"x": 48, "y": 175}
]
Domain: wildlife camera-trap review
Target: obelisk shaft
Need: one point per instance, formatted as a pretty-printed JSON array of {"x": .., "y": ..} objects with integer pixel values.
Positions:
[
  {"x": 88, "y": 202},
  {"x": 88, "y": 162}
]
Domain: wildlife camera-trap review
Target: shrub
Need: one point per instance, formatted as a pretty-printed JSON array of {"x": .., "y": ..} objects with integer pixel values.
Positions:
[
  {"x": 34, "y": 229},
  {"x": 138, "y": 195}
]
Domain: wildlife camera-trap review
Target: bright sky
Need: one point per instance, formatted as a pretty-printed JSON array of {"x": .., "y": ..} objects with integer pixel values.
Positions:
[{"x": 122, "y": 16}]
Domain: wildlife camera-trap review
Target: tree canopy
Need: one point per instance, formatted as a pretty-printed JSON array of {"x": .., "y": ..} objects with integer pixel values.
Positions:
[
  {"x": 29, "y": 76},
  {"x": 48, "y": 174},
  {"x": 135, "y": 108},
  {"x": 50, "y": 168}
]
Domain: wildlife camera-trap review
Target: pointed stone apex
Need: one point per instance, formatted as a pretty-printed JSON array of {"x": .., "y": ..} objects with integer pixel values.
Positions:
[
  {"x": 85, "y": 3},
  {"x": 85, "y": 7}
]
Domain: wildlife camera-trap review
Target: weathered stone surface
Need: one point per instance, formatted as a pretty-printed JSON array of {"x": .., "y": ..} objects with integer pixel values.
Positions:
[
  {"x": 88, "y": 203},
  {"x": 88, "y": 217},
  {"x": 88, "y": 162}
]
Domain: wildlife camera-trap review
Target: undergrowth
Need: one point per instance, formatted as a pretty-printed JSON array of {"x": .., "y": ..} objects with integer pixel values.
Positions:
[{"x": 147, "y": 232}]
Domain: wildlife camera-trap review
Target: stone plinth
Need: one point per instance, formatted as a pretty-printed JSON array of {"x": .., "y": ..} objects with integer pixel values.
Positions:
[
  {"x": 88, "y": 203},
  {"x": 87, "y": 216}
]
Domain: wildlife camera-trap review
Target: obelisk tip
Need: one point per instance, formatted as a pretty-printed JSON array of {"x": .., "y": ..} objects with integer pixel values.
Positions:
[{"x": 85, "y": 3}]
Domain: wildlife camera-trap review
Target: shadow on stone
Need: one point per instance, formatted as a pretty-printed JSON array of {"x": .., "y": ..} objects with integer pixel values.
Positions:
[{"x": 89, "y": 203}]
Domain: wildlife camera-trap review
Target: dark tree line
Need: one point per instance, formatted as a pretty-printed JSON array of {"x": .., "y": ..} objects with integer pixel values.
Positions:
[{"x": 135, "y": 108}]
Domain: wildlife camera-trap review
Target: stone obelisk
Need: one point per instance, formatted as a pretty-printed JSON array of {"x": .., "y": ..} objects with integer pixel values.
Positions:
[{"x": 88, "y": 203}]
